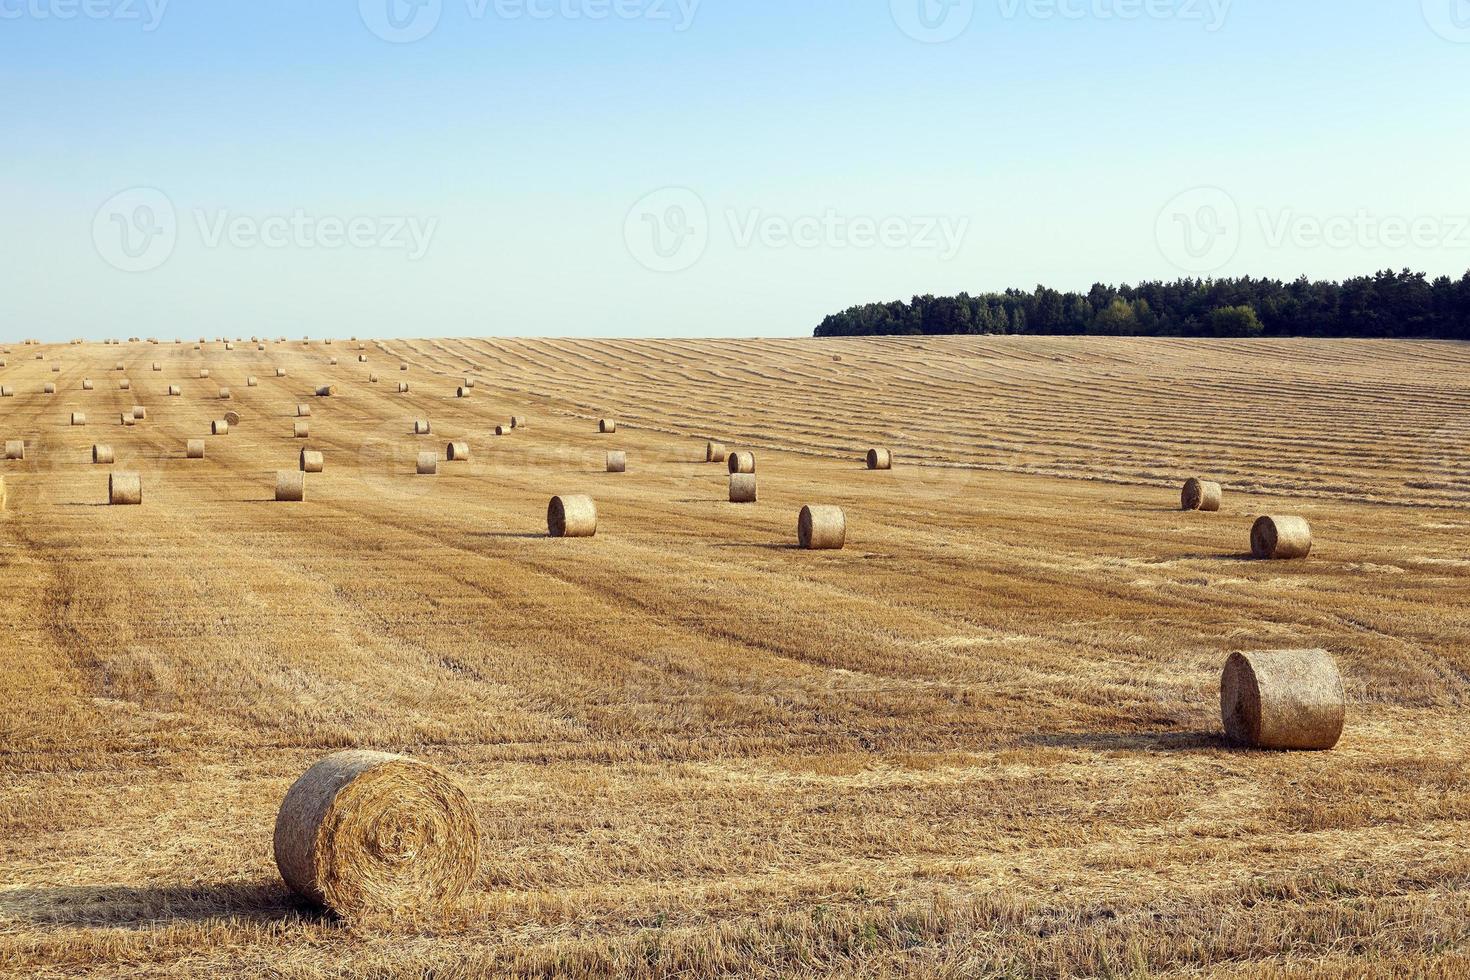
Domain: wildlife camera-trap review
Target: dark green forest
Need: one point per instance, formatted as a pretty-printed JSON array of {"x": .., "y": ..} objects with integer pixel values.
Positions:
[{"x": 1388, "y": 304}]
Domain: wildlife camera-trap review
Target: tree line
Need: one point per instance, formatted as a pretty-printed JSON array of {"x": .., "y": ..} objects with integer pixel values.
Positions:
[{"x": 1387, "y": 304}]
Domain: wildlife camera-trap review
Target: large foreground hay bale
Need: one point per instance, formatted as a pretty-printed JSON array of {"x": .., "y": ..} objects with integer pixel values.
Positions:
[
  {"x": 714, "y": 452},
  {"x": 290, "y": 486},
  {"x": 1200, "y": 495},
  {"x": 219, "y": 427},
  {"x": 15, "y": 449},
  {"x": 742, "y": 462},
  {"x": 312, "y": 461},
  {"x": 457, "y": 452},
  {"x": 301, "y": 430},
  {"x": 428, "y": 464},
  {"x": 607, "y": 426},
  {"x": 573, "y": 516},
  {"x": 124, "y": 489},
  {"x": 194, "y": 449},
  {"x": 821, "y": 527},
  {"x": 880, "y": 459},
  {"x": 742, "y": 488},
  {"x": 617, "y": 461},
  {"x": 102, "y": 454},
  {"x": 1281, "y": 538},
  {"x": 78, "y": 418},
  {"x": 1282, "y": 699}
]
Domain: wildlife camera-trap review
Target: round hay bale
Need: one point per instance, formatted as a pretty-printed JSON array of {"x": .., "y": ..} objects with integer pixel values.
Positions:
[
  {"x": 333, "y": 362},
  {"x": 78, "y": 418},
  {"x": 15, "y": 449},
  {"x": 140, "y": 413},
  {"x": 326, "y": 391},
  {"x": 175, "y": 391},
  {"x": 617, "y": 462},
  {"x": 421, "y": 427},
  {"x": 124, "y": 385},
  {"x": 880, "y": 459},
  {"x": 301, "y": 430},
  {"x": 6, "y": 391},
  {"x": 607, "y": 426},
  {"x": 821, "y": 528},
  {"x": 742, "y": 462},
  {"x": 224, "y": 394},
  {"x": 469, "y": 382},
  {"x": 402, "y": 387},
  {"x": 219, "y": 427},
  {"x": 742, "y": 488},
  {"x": 194, "y": 449},
  {"x": 233, "y": 418},
  {"x": 457, "y": 452},
  {"x": 128, "y": 420},
  {"x": 56, "y": 369},
  {"x": 48, "y": 388},
  {"x": 157, "y": 366},
  {"x": 103, "y": 454},
  {"x": 280, "y": 372},
  {"x": 372, "y": 379},
  {"x": 428, "y": 464},
  {"x": 461, "y": 392},
  {"x": 501, "y": 430},
  {"x": 714, "y": 452},
  {"x": 1283, "y": 699},
  {"x": 401, "y": 367},
  {"x": 229, "y": 346},
  {"x": 204, "y": 372},
  {"x": 251, "y": 382},
  {"x": 1281, "y": 538},
  {"x": 312, "y": 461},
  {"x": 119, "y": 366},
  {"x": 86, "y": 384},
  {"x": 303, "y": 411},
  {"x": 1200, "y": 495},
  {"x": 571, "y": 517},
  {"x": 290, "y": 486},
  {"x": 362, "y": 358},
  {"x": 517, "y": 421},
  {"x": 124, "y": 489}
]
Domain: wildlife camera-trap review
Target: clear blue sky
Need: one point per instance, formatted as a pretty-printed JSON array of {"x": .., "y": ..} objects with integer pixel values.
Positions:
[{"x": 719, "y": 167}]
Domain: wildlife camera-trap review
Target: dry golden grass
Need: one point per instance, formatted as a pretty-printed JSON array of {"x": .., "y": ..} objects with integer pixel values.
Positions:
[{"x": 982, "y": 740}]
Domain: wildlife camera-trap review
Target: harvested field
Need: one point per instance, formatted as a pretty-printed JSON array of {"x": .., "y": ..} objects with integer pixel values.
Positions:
[{"x": 984, "y": 739}]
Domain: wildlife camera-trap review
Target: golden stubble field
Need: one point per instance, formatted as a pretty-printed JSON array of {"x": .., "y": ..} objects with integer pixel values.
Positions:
[{"x": 983, "y": 740}]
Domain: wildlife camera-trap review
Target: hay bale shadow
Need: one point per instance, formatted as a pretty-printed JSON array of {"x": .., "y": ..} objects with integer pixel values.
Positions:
[
  {"x": 148, "y": 906},
  {"x": 1195, "y": 741}
]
